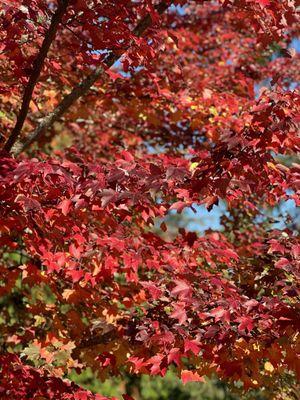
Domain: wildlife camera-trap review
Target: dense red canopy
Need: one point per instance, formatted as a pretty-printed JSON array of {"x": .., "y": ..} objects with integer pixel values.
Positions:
[{"x": 202, "y": 107}]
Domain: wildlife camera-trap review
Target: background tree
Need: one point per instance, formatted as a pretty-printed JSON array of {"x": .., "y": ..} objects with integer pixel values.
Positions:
[{"x": 113, "y": 115}]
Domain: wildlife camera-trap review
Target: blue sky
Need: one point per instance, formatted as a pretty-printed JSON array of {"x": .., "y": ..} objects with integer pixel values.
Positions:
[{"x": 204, "y": 219}]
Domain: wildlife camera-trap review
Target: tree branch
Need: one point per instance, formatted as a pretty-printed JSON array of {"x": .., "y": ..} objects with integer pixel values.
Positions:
[
  {"x": 83, "y": 87},
  {"x": 35, "y": 74}
]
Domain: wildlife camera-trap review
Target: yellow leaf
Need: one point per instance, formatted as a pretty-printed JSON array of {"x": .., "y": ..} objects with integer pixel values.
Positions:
[
  {"x": 256, "y": 346},
  {"x": 268, "y": 366},
  {"x": 271, "y": 165},
  {"x": 213, "y": 111},
  {"x": 143, "y": 116},
  {"x": 33, "y": 106},
  {"x": 39, "y": 320},
  {"x": 67, "y": 293},
  {"x": 193, "y": 166}
]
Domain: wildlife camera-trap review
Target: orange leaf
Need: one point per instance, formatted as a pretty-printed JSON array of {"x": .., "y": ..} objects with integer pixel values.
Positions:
[{"x": 190, "y": 376}]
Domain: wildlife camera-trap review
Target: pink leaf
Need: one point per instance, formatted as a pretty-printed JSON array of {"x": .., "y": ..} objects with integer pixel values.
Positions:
[
  {"x": 179, "y": 313},
  {"x": 154, "y": 291},
  {"x": 75, "y": 251},
  {"x": 174, "y": 356},
  {"x": 191, "y": 345},
  {"x": 246, "y": 323},
  {"x": 65, "y": 206},
  {"x": 76, "y": 275},
  {"x": 182, "y": 289}
]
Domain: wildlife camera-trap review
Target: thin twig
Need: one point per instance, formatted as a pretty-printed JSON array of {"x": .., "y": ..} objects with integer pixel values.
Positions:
[
  {"x": 35, "y": 74},
  {"x": 83, "y": 87}
]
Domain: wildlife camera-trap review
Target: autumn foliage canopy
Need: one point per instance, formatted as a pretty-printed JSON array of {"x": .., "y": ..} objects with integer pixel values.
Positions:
[{"x": 114, "y": 116}]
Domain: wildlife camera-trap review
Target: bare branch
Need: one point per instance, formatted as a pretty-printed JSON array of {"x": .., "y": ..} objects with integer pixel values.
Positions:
[
  {"x": 83, "y": 87},
  {"x": 36, "y": 71}
]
